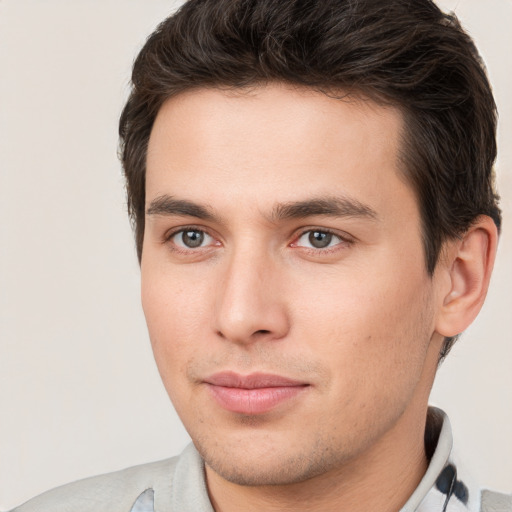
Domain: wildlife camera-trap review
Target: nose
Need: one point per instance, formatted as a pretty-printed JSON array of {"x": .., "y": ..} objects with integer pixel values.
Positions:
[{"x": 250, "y": 301}]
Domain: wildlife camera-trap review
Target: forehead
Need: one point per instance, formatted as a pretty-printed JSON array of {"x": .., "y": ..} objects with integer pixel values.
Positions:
[{"x": 274, "y": 143}]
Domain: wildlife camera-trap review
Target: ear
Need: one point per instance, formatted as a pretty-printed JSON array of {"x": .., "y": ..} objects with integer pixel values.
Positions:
[{"x": 468, "y": 264}]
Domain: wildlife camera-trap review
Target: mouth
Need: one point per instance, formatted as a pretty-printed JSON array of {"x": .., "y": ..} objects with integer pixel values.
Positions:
[{"x": 253, "y": 394}]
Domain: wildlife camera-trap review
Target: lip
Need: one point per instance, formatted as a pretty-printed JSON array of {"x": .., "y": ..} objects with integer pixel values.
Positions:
[{"x": 252, "y": 394}]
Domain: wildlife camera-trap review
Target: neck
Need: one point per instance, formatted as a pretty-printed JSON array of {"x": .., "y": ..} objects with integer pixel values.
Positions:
[{"x": 382, "y": 478}]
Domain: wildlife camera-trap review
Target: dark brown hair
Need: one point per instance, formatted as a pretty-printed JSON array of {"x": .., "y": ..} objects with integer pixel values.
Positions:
[{"x": 405, "y": 53}]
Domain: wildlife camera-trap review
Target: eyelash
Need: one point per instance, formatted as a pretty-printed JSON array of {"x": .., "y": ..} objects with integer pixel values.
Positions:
[
  {"x": 175, "y": 248},
  {"x": 345, "y": 240}
]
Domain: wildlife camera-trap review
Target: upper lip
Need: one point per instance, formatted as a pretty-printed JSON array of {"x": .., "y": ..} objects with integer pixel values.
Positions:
[{"x": 230, "y": 379}]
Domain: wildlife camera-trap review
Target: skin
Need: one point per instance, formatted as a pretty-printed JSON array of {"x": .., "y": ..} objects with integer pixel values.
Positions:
[{"x": 359, "y": 321}]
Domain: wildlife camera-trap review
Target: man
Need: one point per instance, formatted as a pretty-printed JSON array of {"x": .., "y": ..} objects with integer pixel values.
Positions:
[{"x": 312, "y": 194}]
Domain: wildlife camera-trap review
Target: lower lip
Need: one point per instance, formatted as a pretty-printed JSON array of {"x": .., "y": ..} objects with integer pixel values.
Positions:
[{"x": 253, "y": 401}]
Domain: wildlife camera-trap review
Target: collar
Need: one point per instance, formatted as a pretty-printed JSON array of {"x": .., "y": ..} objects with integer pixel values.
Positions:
[{"x": 446, "y": 486}]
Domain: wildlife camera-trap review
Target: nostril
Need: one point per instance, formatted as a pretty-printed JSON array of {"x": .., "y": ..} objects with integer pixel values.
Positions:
[{"x": 262, "y": 331}]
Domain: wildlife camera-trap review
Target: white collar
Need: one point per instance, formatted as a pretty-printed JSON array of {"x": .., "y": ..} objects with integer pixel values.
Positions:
[{"x": 446, "y": 486}]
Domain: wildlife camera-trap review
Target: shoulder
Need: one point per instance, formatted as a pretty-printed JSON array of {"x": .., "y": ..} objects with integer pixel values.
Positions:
[
  {"x": 496, "y": 502},
  {"x": 111, "y": 492}
]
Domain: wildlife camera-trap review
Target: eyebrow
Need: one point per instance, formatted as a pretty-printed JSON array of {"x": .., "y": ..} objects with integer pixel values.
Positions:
[
  {"x": 326, "y": 206},
  {"x": 168, "y": 205}
]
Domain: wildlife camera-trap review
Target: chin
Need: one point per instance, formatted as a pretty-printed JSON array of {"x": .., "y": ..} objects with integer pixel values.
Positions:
[
  {"x": 262, "y": 472},
  {"x": 258, "y": 462}
]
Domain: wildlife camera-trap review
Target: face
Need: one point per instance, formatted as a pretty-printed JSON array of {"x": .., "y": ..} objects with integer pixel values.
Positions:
[{"x": 283, "y": 279}]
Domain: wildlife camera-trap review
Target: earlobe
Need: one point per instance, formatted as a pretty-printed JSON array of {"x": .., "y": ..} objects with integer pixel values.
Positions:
[{"x": 469, "y": 265}]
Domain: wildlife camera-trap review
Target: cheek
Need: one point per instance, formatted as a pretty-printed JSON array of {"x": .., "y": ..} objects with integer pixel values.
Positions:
[
  {"x": 174, "y": 302},
  {"x": 174, "y": 316},
  {"x": 369, "y": 328},
  {"x": 170, "y": 322},
  {"x": 373, "y": 341}
]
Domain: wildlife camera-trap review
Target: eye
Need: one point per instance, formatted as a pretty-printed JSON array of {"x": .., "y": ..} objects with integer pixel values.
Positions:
[
  {"x": 318, "y": 239},
  {"x": 191, "y": 238}
]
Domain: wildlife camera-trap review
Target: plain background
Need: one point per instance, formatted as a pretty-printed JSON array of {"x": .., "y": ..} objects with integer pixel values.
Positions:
[{"x": 79, "y": 392}]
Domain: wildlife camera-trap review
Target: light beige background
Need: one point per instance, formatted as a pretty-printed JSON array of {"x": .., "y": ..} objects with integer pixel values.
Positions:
[{"x": 79, "y": 393}]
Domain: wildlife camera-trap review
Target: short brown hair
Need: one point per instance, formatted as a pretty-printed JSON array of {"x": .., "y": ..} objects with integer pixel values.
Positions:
[{"x": 405, "y": 53}]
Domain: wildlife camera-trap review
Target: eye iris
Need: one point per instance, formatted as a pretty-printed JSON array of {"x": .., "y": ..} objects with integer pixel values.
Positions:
[
  {"x": 320, "y": 239},
  {"x": 192, "y": 238}
]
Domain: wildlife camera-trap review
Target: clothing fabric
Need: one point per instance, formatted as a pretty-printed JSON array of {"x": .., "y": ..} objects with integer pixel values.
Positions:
[{"x": 178, "y": 485}]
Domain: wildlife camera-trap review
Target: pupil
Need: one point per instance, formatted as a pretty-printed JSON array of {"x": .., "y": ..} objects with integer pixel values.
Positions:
[
  {"x": 320, "y": 239},
  {"x": 193, "y": 238}
]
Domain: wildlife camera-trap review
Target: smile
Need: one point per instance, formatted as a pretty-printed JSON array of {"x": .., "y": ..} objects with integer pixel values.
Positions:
[{"x": 252, "y": 394}]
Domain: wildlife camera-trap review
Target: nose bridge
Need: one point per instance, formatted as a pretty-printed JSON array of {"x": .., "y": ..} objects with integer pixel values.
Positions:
[{"x": 250, "y": 305}]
